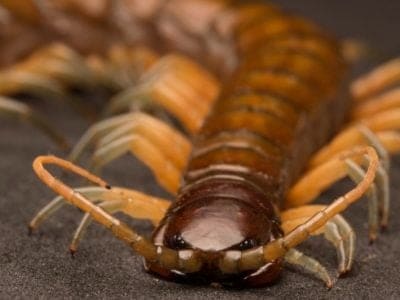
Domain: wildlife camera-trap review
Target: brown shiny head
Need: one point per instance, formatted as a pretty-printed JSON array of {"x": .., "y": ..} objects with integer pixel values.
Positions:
[{"x": 220, "y": 230}]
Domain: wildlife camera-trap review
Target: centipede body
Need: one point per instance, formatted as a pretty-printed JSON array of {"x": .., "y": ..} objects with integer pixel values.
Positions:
[
  {"x": 298, "y": 122},
  {"x": 275, "y": 68}
]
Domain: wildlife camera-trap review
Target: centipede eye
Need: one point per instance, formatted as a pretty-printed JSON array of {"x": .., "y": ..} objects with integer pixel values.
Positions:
[
  {"x": 247, "y": 244},
  {"x": 177, "y": 242}
]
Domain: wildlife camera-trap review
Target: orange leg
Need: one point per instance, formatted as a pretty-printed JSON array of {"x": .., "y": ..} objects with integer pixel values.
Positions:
[
  {"x": 160, "y": 147},
  {"x": 312, "y": 184},
  {"x": 163, "y": 149},
  {"x": 130, "y": 202},
  {"x": 171, "y": 259},
  {"x": 376, "y": 81},
  {"x": 337, "y": 231},
  {"x": 166, "y": 84},
  {"x": 321, "y": 177}
]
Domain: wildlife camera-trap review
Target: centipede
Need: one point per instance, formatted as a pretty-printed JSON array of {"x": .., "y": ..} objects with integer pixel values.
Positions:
[{"x": 243, "y": 112}]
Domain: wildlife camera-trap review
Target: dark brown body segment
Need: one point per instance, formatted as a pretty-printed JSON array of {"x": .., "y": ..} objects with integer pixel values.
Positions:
[{"x": 281, "y": 104}]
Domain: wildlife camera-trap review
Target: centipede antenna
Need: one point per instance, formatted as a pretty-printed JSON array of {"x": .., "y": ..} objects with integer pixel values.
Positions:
[
  {"x": 374, "y": 141},
  {"x": 249, "y": 128},
  {"x": 357, "y": 174},
  {"x": 187, "y": 261},
  {"x": 277, "y": 248},
  {"x": 119, "y": 229}
]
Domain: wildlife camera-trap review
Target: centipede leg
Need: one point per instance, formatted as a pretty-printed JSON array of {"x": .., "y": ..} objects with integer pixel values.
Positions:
[
  {"x": 376, "y": 132},
  {"x": 61, "y": 63},
  {"x": 160, "y": 147},
  {"x": 309, "y": 264},
  {"x": 379, "y": 198},
  {"x": 337, "y": 231},
  {"x": 383, "y": 143},
  {"x": 167, "y": 85},
  {"x": 321, "y": 177},
  {"x": 376, "y": 118},
  {"x": 135, "y": 204},
  {"x": 109, "y": 207},
  {"x": 379, "y": 131},
  {"x": 58, "y": 202},
  {"x": 47, "y": 71},
  {"x": 376, "y": 81},
  {"x": 126, "y": 65},
  {"x": 312, "y": 184},
  {"x": 165, "y": 172},
  {"x": 118, "y": 228},
  {"x": 16, "y": 81},
  {"x": 377, "y": 104},
  {"x": 174, "y": 146}
]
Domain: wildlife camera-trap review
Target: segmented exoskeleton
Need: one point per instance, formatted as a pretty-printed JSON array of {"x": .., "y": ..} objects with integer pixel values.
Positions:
[{"x": 242, "y": 204}]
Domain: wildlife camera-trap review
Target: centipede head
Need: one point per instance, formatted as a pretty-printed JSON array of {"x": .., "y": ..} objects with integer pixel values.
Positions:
[{"x": 219, "y": 230}]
